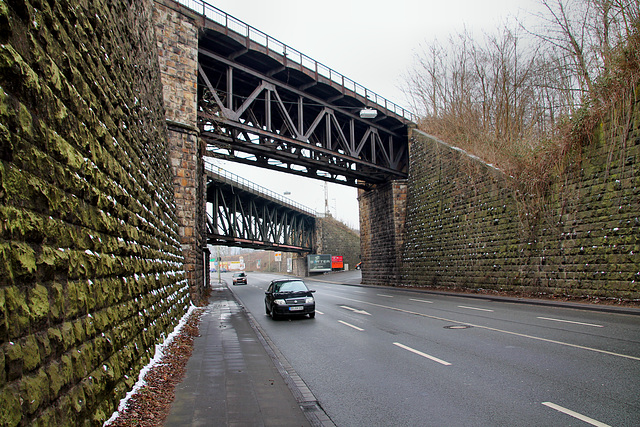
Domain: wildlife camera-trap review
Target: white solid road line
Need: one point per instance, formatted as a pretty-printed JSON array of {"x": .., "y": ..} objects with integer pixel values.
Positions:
[
  {"x": 418, "y": 352},
  {"x": 386, "y": 296},
  {"x": 351, "y": 326},
  {"x": 570, "y": 321},
  {"x": 319, "y": 312},
  {"x": 474, "y": 308},
  {"x": 575, "y": 414}
]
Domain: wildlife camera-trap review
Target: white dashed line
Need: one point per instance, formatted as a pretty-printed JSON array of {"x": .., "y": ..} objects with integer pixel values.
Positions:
[
  {"x": 420, "y": 300},
  {"x": 575, "y": 414},
  {"x": 570, "y": 321},
  {"x": 351, "y": 326},
  {"x": 418, "y": 352},
  {"x": 488, "y": 328},
  {"x": 474, "y": 308}
]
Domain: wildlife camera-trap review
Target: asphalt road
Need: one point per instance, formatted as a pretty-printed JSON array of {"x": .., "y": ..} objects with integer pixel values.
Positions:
[{"x": 393, "y": 357}]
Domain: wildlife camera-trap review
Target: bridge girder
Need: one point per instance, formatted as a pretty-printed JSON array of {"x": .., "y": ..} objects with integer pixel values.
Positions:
[
  {"x": 240, "y": 216},
  {"x": 255, "y": 110}
]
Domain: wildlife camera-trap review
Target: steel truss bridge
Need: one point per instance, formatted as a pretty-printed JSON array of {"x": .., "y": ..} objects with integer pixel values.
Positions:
[
  {"x": 241, "y": 213},
  {"x": 263, "y": 103}
]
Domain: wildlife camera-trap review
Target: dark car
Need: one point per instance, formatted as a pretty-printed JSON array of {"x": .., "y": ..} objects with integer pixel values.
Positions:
[
  {"x": 286, "y": 297},
  {"x": 239, "y": 279}
]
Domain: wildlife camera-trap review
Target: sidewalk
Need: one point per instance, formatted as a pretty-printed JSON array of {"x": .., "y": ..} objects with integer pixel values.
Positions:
[{"x": 236, "y": 378}]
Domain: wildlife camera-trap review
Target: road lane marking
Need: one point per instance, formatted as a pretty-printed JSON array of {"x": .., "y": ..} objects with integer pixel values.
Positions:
[
  {"x": 386, "y": 296},
  {"x": 533, "y": 337},
  {"x": 351, "y": 326},
  {"x": 570, "y": 321},
  {"x": 359, "y": 292},
  {"x": 355, "y": 310},
  {"x": 575, "y": 414},
  {"x": 418, "y": 352},
  {"x": 474, "y": 308},
  {"x": 319, "y": 312},
  {"x": 420, "y": 300}
]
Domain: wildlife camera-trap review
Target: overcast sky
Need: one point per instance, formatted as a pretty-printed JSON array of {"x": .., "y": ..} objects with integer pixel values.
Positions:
[{"x": 373, "y": 43}]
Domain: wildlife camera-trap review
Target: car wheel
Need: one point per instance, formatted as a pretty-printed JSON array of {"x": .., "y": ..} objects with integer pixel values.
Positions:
[
  {"x": 312, "y": 315},
  {"x": 266, "y": 309}
]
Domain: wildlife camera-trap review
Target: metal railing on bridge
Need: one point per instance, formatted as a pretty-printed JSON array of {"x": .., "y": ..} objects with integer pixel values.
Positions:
[
  {"x": 239, "y": 27},
  {"x": 243, "y": 183}
]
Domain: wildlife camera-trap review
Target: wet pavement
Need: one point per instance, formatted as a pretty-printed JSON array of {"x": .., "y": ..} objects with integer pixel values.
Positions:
[{"x": 236, "y": 377}]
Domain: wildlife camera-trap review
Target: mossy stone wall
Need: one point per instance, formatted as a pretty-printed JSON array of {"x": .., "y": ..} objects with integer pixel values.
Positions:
[
  {"x": 337, "y": 239},
  {"x": 91, "y": 266},
  {"x": 470, "y": 226},
  {"x": 382, "y": 232}
]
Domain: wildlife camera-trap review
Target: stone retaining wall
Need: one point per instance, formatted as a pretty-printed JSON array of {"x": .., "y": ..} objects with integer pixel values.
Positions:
[
  {"x": 470, "y": 226},
  {"x": 91, "y": 266}
]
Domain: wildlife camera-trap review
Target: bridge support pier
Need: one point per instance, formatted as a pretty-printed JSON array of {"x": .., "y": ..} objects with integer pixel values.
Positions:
[
  {"x": 299, "y": 264},
  {"x": 177, "y": 36},
  {"x": 382, "y": 227}
]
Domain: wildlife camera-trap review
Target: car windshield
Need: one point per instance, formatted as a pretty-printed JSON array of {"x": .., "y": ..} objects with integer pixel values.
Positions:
[
  {"x": 239, "y": 275},
  {"x": 293, "y": 286}
]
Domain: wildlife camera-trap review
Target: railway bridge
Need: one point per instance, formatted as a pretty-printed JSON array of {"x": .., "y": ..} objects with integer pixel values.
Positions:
[{"x": 233, "y": 92}]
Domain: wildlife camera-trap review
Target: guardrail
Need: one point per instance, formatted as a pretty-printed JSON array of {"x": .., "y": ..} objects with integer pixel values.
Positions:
[
  {"x": 241, "y": 182},
  {"x": 231, "y": 23}
]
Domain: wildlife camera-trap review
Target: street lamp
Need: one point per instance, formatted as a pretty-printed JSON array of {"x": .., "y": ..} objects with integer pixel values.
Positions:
[{"x": 368, "y": 113}]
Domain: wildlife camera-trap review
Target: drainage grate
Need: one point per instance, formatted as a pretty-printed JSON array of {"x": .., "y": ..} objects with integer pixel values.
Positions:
[{"x": 457, "y": 327}]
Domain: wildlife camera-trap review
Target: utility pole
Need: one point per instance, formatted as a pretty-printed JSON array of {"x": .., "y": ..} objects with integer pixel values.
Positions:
[{"x": 326, "y": 198}]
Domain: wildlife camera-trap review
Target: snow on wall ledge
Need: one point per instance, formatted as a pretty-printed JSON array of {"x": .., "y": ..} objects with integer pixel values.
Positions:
[
  {"x": 91, "y": 267},
  {"x": 469, "y": 226}
]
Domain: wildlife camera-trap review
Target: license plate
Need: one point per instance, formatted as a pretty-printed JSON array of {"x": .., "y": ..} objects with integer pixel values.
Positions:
[{"x": 297, "y": 308}]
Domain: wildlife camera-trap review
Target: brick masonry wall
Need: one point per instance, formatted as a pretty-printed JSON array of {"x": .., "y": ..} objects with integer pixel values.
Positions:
[
  {"x": 470, "y": 226},
  {"x": 382, "y": 232},
  {"x": 91, "y": 266}
]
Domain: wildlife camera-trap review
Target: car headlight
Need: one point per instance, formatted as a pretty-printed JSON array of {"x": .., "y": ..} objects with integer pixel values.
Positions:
[
  {"x": 308, "y": 300},
  {"x": 279, "y": 302}
]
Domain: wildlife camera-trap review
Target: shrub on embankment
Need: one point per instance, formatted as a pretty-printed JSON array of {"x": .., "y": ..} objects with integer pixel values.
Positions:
[{"x": 91, "y": 268}]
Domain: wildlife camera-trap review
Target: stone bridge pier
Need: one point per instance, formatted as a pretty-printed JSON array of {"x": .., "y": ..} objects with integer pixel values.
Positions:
[
  {"x": 177, "y": 38},
  {"x": 382, "y": 232}
]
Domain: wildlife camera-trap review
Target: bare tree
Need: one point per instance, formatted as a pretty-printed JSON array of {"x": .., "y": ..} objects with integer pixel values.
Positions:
[
  {"x": 581, "y": 36},
  {"x": 503, "y": 95}
]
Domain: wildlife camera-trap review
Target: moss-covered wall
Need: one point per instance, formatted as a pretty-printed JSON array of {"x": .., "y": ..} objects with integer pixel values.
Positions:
[
  {"x": 470, "y": 226},
  {"x": 335, "y": 238},
  {"x": 91, "y": 267},
  {"x": 382, "y": 232}
]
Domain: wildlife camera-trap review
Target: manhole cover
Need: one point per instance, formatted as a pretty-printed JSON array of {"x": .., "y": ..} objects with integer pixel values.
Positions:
[{"x": 457, "y": 327}]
